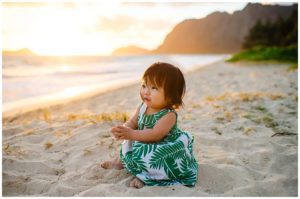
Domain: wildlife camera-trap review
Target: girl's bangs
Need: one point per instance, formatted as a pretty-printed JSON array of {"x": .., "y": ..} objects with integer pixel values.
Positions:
[{"x": 156, "y": 80}]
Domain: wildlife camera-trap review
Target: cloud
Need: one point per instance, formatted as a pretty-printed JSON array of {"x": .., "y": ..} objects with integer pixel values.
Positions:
[
  {"x": 117, "y": 23},
  {"x": 182, "y": 4},
  {"x": 139, "y": 4},
  {"x": 69, "y": 5},
  {"x": 23, "y": 4},
  {"x": 157, "y": 24},
  {"x": 122, "y": 23},
  {"x": 153, "y": 4},
  {"x": 38, "y": 4}
]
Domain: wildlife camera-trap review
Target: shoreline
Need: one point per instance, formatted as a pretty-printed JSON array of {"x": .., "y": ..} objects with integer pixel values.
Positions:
[
  {"x": 27, "y": 105},
  {"x": 243, "y": 119},
  {"x": 32, "y": 104}
]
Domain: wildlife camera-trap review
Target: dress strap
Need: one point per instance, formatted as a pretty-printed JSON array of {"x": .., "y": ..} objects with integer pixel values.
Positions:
[{"x": 143, "y": 109}]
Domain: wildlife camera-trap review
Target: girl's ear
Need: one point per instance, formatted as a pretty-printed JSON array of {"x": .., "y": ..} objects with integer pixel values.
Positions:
[
  {"x": 169, "y": 102},
  {"x": 175, "y": 107}
]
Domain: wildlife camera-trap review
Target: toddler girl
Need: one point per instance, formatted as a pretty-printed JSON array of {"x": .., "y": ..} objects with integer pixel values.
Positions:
[{"x": 155, "y": 150}]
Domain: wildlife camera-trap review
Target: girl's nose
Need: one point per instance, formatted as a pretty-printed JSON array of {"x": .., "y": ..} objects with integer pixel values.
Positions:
[{"x": 147, "y": 90}]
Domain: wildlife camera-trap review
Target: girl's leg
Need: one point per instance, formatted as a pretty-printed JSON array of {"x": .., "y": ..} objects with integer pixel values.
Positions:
[
  {"x": 113, "y": 164},
  {"x": 137, "y": 183}
]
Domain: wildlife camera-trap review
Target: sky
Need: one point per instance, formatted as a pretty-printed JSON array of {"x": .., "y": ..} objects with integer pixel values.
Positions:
[{"x": 96, "y": 28}]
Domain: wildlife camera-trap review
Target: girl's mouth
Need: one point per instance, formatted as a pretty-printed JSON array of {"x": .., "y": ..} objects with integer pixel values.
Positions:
[{"x": 147, "y": 99}]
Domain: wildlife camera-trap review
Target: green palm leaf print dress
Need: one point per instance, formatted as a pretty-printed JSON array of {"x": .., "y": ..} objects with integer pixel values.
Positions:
[{"x": 168, "y": 162}]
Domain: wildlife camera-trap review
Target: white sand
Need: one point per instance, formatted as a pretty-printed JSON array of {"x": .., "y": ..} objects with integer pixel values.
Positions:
[{"x": 232, "y": 110}]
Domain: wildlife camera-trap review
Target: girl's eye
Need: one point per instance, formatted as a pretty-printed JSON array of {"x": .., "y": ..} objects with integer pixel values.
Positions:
[
  {"x": 153, "y": 87},
  {"x": 143, "y": 86}
]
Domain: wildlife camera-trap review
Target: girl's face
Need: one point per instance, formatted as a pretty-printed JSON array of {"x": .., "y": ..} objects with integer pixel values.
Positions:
[{"x": 153, "y": 96}]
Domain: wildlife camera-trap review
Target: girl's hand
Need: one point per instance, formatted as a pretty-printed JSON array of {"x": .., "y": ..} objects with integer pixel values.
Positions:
[
  {"x": 122, "y": 132},
  {"x": 113, "y": 130}
]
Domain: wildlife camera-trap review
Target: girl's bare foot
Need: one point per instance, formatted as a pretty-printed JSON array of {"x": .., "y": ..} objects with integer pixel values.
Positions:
[
  {"x": 137, "y": 183},
  {"x": 113, "y": 164}
]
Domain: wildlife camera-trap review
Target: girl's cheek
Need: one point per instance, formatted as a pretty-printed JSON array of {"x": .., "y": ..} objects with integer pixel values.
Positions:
[
  {"x": 141, "y": 93},
  {"x": 153, "y": 91},
  {"x": 142, "y": 90}
]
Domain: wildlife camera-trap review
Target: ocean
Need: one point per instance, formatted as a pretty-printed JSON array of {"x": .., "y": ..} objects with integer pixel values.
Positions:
[{"x": 30, "y": 82}]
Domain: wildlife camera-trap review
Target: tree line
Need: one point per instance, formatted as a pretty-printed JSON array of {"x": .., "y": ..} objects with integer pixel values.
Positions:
[{"x": 281, "y": 33}]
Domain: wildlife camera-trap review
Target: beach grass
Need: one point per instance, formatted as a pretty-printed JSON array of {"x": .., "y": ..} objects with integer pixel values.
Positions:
[
  {"x": 293, "y": 67},
  {"x": 48, "y": 145},
  {"x": 96, "y": 118},
  {"x": 274, "y": 54},
  {"x": 250, "y": 106},
  {"x": 245, "y": 96}
]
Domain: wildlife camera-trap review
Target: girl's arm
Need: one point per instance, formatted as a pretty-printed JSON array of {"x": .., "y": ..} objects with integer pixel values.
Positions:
[
  {"x": 159, "y": 131},
  {"x": 132, "y": 122}
]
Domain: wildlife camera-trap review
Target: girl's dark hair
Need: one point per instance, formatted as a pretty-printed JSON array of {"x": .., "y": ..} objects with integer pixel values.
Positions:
[{"x": 170, "y": 78}]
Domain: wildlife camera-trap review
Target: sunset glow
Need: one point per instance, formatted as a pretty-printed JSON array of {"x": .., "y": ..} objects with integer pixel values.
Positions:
[{"x": 95, "y": 28}]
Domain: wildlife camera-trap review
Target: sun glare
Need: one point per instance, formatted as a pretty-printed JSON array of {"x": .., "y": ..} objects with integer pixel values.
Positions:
[
  {"x": 71, "y": 92},
  {"x": 60, "y": 31},
  {"x": 65, "y": 68},
  {"x": 57, "y": 34}
]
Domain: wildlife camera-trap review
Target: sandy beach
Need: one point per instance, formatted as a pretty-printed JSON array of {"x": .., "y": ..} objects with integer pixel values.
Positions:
[{"x": 243, "y": 117}]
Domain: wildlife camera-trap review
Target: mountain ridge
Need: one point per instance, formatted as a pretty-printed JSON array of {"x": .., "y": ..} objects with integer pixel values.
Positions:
[
  {"x": 219, "y": 32},
  {"x": 130, "y": 50}
]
